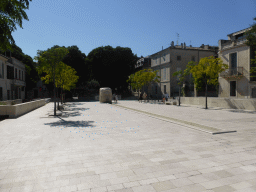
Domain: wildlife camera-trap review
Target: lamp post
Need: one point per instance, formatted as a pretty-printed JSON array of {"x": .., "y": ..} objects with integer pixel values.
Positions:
[
  {"x": 179, "y": 91},
  {"x": 206, "y": 93}
]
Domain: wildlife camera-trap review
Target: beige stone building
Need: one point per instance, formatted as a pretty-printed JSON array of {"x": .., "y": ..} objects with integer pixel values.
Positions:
[
  {"x": 236, "y": 82},
  {"x": 172, "y": 59},
  {"x": 12, "y": 79}
]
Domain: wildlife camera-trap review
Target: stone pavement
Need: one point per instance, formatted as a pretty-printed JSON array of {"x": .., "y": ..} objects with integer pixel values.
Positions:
[{"x": 103, "y": 147}]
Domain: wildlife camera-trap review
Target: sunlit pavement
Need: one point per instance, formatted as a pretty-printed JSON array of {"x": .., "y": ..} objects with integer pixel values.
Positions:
[{"x": 128, "y": 146}]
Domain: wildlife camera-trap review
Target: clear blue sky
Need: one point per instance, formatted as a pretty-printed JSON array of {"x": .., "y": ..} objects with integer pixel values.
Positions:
[{"x": 142, "y": 25}]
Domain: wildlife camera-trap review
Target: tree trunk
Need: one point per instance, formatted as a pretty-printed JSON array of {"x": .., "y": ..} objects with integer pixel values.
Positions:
[
  {"x": 206, "y": 96},
  {"x": 58, "y": 98},
  {"x": 54, "y": 94},
  {"x": 61, "y": 97}
]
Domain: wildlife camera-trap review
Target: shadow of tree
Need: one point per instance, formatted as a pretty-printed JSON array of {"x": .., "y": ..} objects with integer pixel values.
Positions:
[
  {"x": 75, "y": 109},
  {"x": 75, "y": 124}
]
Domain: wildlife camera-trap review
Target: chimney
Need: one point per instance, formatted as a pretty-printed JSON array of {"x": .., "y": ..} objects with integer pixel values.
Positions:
[
  {"x": 206, "y": 47},
  {"x": 202, "y": 46},
  {"x": 190, "y": 46},
  {"x": 181, "y": 45},
  {"x": 184, "y": 45},
  {"x": 162, "y": 47},
  {"x": 172, "y": 44}
]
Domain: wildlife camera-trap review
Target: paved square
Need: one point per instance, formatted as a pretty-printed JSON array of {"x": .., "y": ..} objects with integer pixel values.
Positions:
[{"x": 128, "y": 147}]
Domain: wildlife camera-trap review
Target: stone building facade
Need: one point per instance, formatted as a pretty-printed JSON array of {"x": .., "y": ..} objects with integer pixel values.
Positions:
[
  {"x": 172, "y": 59},
  {"x": 12, "y": 79},
  {"x": 235, "y": 82}
]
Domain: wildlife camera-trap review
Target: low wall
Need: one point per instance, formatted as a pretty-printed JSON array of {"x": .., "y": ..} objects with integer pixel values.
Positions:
[
  {"x": 222, "y": 102},
  {"x": 9, "y": 102},
  {"x": 19, "y": 109}
]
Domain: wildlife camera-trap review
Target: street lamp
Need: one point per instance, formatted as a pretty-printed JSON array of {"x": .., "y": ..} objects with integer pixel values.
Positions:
[{"x": 179, "y": 90}]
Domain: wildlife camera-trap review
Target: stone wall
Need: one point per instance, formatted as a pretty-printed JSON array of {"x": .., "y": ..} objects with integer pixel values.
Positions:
[{"x": 226, "y": 103}]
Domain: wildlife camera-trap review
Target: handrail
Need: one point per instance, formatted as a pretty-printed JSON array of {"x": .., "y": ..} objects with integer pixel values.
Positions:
[{"x": 232, "y": 72}]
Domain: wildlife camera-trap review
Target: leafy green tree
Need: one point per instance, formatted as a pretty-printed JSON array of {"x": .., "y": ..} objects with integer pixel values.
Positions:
[
  {"x": 11, "y": 13},
  {"x": 111, "y": 66},
  {"x": 251, "y": 35},
  {"x": 251, "y": 41},
  {"x": 65, "y": 77},
  {"x": 49, "y": 61},
  {"x": 207, "y": 71},
  {"x": 143, "y": 77}
]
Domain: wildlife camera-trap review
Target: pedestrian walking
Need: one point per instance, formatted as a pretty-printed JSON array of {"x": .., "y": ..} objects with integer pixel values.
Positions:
[
  {"x": 116, "y": 98},
  {"x": 163, "y": 98},
  {"x": 167, "y": 96},
  {"x": 140, "y": 99}
]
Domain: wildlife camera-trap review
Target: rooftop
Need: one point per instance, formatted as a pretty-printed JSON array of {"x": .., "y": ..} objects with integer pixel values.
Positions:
[{"x": 240, "y": 31}]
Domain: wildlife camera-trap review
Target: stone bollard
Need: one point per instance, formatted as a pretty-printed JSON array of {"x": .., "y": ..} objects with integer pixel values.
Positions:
[{"x": 105, "y": 95}]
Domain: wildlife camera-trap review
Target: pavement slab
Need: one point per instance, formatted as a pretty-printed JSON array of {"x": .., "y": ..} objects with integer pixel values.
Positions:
[{"x": 128, "y": 146}]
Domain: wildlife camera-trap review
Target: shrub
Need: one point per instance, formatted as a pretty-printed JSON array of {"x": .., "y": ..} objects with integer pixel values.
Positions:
[{"x": 2, "y": 103}]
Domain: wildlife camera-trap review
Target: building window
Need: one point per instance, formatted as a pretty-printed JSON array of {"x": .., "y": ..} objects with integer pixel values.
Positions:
[
  {"x": 233, "y": 60},
  {"x": 164, "y": 74},
  {"x": 15, "y": 73},
  {"x": 2, "y": 70},
  {"x": 232, "y": 88},
  {"x": 193, "y": 58},
  {"x": 164, "y": 89},
  {"x": 10, "y": 72},
  {"x": 164, "y": 56},
  {"x": 178, "y": 58},
  {"x": 156, "y": 60},
  {"x": 19, "y": 74}
]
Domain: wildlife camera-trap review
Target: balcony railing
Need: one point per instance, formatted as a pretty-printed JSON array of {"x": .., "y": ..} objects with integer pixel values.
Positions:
[
  {"x": 232, "y": 72},
  {"x": 231, "y": 44}
]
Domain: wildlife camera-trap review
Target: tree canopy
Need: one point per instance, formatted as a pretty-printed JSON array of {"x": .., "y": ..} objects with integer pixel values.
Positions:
[
  {"x": 50, "y": 61},
  {"x": 111, "y": 66},
  {"x": 207, "y": 71},
  {"x": 251, "y": 35},
  {"x": 251, "y": 41},
  {"x": 143, "y": 77},
  {"x": 12, "y": 12},
  {"x": 65, "y": 77}
]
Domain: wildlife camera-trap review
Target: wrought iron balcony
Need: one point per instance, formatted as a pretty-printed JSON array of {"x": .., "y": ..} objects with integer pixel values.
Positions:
[{"x": 232, "y": 72}]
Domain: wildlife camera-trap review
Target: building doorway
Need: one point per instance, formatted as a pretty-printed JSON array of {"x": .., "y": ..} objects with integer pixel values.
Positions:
[
  {"x": 233, "y": 88},
  {"x": 254, "y": 92}
]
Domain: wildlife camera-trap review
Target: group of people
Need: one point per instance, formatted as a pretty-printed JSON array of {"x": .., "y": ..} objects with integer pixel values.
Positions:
[{"x": 164, "y": 97}]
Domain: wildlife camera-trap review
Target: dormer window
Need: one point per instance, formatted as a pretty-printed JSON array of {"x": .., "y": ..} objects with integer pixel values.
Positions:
[{"x": 240, "y": 36}]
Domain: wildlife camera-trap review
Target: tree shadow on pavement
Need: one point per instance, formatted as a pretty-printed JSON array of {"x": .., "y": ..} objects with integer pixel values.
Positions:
[{"x": 74, "y": 124}]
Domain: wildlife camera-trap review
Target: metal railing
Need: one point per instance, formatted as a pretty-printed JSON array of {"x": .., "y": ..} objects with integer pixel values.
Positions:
[{"x": 232, "y": 72}]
